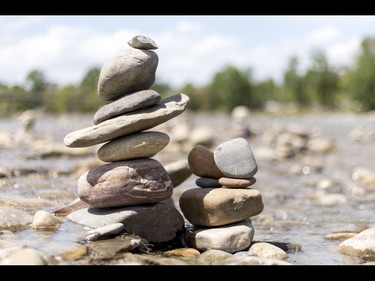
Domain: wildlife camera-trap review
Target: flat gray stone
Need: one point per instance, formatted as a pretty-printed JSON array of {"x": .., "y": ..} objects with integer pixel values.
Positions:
[
  {"x": 235, "y": 159},
  {"x": 130, "y": 71},
  {"x": 104, "y": 232},
  {"x": 133, "y": 146},
  {"x": 159, "y": 222},
  {"x": 126, "y": 124},
  {"x": 128, "y": 103}
]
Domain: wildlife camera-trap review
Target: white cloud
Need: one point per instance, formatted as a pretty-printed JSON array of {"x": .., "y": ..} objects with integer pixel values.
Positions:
[{"x": 188, "y": 51}]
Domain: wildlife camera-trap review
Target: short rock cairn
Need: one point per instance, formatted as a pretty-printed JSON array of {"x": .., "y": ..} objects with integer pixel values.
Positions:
[
  {"x": 130, "y": 192},
  {"x": 220, "y": 210}
]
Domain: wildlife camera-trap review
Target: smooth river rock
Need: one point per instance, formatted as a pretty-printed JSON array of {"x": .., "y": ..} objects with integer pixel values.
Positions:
[
  {"x": 230, "y": 238},
  {"x": 130, "y": 71},
  {"x": 133, "y": 146},
  {"x": 235, "y": 159},
  {"x": 13, "y": 219},
  {"x": 361, "y": 245},
  {"x": 142, "y": 42},
  {"x": 202, "y": 164},
  {"x": 128, "y": 103},
  {"x": 125, "y": 183},
  {"x": 159, "y": 222},
  {"x": 220, "y": 206},
  {"x": 128, "y": 123}
]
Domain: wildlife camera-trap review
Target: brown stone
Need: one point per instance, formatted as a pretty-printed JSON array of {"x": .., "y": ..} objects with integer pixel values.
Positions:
[
  {"x": 202, "y": 164},
  {"x": 220, "y": 206}
]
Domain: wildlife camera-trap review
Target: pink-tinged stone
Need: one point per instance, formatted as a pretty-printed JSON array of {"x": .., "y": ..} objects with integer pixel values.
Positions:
[
  {"x": 202, "y": 164},
  {"x": 231, "y": 182},
  {"x": 125, "y": 183},
  {"x": 220, "y": 206}
]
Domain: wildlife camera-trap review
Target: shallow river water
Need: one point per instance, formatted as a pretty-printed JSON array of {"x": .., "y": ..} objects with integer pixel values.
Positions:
[{"x": 295, "y": 211}]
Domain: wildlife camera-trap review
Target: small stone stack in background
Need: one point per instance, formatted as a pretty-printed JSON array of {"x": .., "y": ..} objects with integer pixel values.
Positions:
[
  {"x": 132, "y": 189},
  {"x": 220, "y": 210}
]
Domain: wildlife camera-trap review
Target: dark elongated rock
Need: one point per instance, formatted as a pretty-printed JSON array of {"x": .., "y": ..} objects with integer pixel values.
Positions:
[{"x": 125, "y": 183}]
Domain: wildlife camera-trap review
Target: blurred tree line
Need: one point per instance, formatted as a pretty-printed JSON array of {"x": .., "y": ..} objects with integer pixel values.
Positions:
[{"x": 322, "y": 85}]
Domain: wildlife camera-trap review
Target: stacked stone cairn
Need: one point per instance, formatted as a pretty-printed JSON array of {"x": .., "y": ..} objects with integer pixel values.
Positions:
[
  {"x": 130, "y": 193},
  {"x": 220, "y": 209}
]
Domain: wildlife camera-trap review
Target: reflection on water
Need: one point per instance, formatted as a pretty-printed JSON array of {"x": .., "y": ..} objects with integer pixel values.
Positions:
[{"x": 306, "y": 197}]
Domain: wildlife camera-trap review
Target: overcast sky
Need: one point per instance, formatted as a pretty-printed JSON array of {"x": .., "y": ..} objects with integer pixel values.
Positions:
[{"x": 191, "y": 48}]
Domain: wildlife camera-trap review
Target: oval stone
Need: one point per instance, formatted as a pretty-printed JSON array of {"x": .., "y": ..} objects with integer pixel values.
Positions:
[
  {"x": 235, "y": 159},
  {"x": 142, "y": 42},
  {"x": 130, "y": 71},
  {"x": 220, "y": 206},
  {"x": 125, "y": 183},
  {"x": 202, "y": 164},
  {"x": 138, "y": 145}
]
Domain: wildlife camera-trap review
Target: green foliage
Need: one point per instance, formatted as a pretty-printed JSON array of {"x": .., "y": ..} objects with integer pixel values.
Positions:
[
  {"x": 294, "y": 84},
  {"x": 322, "y": 80},
  {"x": 321, "y": 85},
  {"x": 231, "y": 87},
  {"x": 361, "y": 79}
]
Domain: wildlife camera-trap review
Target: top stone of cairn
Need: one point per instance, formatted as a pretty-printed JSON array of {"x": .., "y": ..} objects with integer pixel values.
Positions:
[{"x": 142, "y": 42}]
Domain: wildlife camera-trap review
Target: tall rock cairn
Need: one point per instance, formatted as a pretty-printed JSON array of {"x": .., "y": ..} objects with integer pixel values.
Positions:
[
  {"x": 131, "y": 177},
  {"x": 220, "y": 209}
]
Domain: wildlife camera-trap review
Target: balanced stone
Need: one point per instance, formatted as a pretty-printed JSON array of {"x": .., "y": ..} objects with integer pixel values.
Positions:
[
  {"x": 230, "y": 238},
  {"x": 202, "y": 164},
  {"x": 125, "y": 183},
  {"x": 157, "y": 222},
  {"x": 138, "y": 145},
  {"x": 236, "y": 183},
  {"x": 235, "y": 159},
  {"x": 207, "y": 182},
  {"x": 128, "y": 123},
  {"x": 142, "y": 42},
  {"x": 130, "y": 71},
  {"x": 131, "y": 102},
  {"x": 220, "y": 206}
]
